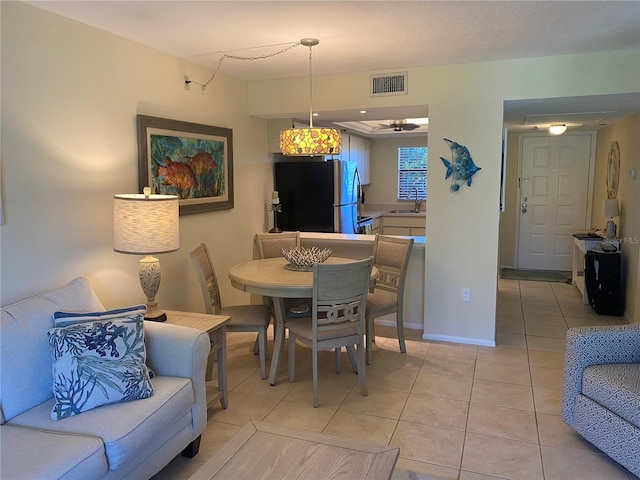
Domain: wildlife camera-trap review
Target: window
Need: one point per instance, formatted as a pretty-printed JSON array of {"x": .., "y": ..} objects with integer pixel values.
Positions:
[{"x": 412, "y": 172}]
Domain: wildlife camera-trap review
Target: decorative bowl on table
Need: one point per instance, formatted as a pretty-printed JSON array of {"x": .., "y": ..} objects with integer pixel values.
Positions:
[{"x": 302, "y": 259}]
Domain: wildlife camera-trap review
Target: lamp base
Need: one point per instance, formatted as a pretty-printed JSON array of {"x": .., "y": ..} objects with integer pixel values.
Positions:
[
  {"x": 149, "y": 273},
  {"x": 154, "y": 314},
  {"x": 611, "y": 230},
  {"x": 162, "y": 317}
]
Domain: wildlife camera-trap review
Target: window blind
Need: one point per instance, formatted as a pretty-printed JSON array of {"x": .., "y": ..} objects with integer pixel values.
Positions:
[{"x": 412, "y": 172}]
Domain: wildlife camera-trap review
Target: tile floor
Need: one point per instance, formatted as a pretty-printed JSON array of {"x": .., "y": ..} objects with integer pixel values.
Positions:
[{"x": 456, "y": 411}]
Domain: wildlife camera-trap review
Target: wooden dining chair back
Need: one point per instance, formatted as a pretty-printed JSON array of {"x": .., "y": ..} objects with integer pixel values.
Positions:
[
  {"x": 337, "y": 320},
  {"x": 244, "y": 318},
  {"x": 270, "y": 245},
  {"x": 391, "y": 259},
  {"x": 207, "y": 279}
]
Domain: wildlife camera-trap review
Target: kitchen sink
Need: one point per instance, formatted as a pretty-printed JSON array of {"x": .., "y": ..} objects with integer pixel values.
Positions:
[{"x": 406, "y": 211}]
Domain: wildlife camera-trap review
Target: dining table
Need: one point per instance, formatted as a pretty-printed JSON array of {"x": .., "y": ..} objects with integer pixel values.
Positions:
[{"x": 278, "y": 279}]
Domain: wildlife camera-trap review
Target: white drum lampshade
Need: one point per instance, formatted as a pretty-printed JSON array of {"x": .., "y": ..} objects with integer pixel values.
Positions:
[{"x": 145, "y": 224}]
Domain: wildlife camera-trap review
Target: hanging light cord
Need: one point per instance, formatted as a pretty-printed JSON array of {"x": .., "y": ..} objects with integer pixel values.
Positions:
[
  {"x": 203, "y": 86},
  {"x": 310, "y": 90}
]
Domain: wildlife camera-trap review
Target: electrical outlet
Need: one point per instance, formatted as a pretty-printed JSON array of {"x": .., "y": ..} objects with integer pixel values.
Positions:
[
  {"x": 187, "y": 83},
  {"x": 466, "y": 294}
]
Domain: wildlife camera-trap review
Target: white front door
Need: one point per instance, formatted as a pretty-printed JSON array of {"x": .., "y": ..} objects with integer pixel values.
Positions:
[{"x": 554, "y": 186}]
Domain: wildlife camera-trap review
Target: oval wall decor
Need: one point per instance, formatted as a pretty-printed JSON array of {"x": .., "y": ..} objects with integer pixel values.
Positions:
[{"x": 613, "y": 170}]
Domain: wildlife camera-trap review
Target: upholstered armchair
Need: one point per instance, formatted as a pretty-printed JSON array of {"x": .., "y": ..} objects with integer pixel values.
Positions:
[{"x": 601, "y": 393}]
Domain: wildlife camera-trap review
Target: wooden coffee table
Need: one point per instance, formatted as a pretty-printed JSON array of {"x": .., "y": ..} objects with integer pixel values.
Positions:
[{"x": 265, "y": 451}]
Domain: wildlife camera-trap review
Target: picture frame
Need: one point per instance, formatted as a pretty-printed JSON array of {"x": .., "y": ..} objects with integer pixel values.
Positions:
[{"x": 191, "y": 160}]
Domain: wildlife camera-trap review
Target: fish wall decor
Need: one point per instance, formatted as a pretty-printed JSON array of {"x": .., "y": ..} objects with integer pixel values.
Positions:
[{"x": 461, "y": 167}]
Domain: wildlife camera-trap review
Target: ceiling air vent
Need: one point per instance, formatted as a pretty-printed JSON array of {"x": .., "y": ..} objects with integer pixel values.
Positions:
[{"x": 388, "y": 84}]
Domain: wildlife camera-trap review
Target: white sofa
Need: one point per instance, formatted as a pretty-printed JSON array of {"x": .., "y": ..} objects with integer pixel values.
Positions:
[{"x": 132, "y": 440}]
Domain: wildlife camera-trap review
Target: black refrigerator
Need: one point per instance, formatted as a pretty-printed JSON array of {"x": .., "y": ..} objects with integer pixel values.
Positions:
[{"x": 318, "y": 196}]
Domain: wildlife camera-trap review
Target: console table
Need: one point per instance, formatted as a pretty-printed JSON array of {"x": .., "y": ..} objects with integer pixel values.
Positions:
[
  {"x": 216, "y": 327},
  {"x": 582, "y": 244}
]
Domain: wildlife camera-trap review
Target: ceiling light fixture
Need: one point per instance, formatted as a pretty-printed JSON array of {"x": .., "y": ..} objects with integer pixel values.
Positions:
[
  {"x": 557, "y": 129},
  {"x": 310, "y": 141}
]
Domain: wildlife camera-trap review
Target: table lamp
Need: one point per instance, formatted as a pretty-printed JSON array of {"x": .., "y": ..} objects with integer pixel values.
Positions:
[
  {"x": 147, "y": 225},
  {"x": 610, "y": 209}
]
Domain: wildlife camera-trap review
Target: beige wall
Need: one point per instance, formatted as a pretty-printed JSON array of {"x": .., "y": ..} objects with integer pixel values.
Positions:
[
  {"x": 383, "y": 189},
  {"x": 626, "y": 134},
  {"x": 509, "y": 218},
  {"x": 465, "y": 104},
  {"x": 507, "y": 237},
  {"x": 70, "y": 95}
]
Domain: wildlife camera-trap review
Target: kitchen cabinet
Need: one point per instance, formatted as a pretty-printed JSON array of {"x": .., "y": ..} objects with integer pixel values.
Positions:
[
  {"x": 376, "y": 226},
  {"x": 359, "y": 148},
  {"x": 344, "y": 149},
  {"x": 356, "y": 149},
  {"x": 404, "y": 225},
  {"x": 365, "y": 162}
]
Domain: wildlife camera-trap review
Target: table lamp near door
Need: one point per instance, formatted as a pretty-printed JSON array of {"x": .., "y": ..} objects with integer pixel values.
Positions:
[
  {"x": 610, "y": 209},
  {"x": 147, "y": 225}
]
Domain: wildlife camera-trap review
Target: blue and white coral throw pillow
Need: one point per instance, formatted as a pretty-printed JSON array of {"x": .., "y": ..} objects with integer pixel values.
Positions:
[
  {"x": 97, "y": 363},
  {"x": 63, "y": 319}
]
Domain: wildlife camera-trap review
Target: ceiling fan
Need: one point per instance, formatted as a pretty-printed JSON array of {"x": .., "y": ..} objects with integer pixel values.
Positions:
[{"x": 400, "y": 125}]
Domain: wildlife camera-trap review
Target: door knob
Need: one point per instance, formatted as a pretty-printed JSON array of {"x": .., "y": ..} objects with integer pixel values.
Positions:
[{"x": 523, "y": 208}]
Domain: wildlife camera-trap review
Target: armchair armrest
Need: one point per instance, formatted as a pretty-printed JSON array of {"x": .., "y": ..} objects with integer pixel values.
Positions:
[
  {"x": 177, "y": 351},
  {"x": 588, "y": 346}
]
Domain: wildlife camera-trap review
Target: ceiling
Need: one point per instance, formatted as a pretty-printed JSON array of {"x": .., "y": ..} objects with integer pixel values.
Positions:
[{"x": 374, "y": 36}]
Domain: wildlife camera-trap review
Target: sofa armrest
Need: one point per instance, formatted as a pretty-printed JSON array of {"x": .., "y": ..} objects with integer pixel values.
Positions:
[
  {"x": 588, "y": 346},
  {"x": 177, "y": 351}
]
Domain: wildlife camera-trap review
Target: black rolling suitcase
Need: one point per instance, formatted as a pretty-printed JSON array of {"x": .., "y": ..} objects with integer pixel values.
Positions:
[{"x": 602, "y": 280}]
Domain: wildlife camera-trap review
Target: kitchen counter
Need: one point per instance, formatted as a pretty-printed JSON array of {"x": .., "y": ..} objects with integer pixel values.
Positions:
[
  {"x": 380, "y": 213},
  {"x": 394, "y": 213},
  {"x": 348, "y": 239},
  {"x": 361, "y": 246}
]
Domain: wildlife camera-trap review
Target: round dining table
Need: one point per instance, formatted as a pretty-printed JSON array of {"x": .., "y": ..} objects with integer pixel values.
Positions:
[{"x": 269, "y": 277}]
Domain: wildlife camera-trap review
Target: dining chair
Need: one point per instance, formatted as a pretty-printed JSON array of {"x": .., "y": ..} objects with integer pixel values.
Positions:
[
  {"x": 244, "y": 318},
  {"x": 391, "y": 256},
  {"x": 270, "y": 245},
  {"x": 337, "y": 317}
]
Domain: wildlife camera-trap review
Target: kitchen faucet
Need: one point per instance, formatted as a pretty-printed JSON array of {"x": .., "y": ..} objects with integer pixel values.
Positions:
[{"x": 416, "y": 207}]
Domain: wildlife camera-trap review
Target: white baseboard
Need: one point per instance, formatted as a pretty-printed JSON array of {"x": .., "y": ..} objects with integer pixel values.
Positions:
[
  {"x": 465, "y": 340},
  {"x": 392, "y": 323}
]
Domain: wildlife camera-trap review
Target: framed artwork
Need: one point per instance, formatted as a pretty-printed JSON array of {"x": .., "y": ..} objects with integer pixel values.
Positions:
[{"x": 190, "y": 160}]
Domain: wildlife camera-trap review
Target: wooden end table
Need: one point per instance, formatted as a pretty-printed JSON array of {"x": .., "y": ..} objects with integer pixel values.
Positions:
[
  {"x": 216, "y": 327},
  {"x": 262, "y": 451}
]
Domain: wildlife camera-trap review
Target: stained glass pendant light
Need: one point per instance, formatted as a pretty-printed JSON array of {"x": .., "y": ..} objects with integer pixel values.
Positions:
[{"x": 310, "y": 141}]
